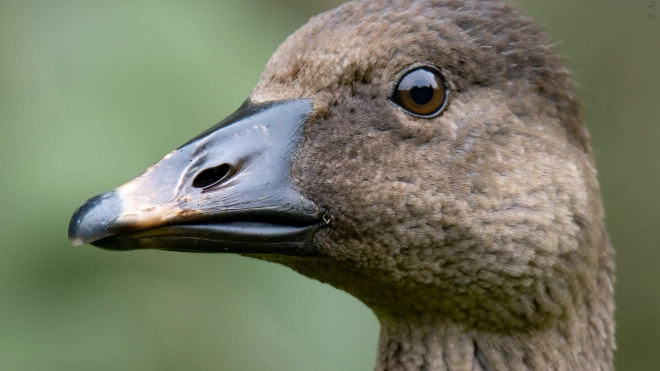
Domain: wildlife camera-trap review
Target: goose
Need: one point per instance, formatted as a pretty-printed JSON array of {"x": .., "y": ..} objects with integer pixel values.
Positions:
[{"x": 426, "y": 156}]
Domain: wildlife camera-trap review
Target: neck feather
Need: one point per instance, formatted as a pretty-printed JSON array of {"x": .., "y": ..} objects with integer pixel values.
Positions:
[
  {"x": 581, "y": 339},
  {"x": 449, "y": 347}
]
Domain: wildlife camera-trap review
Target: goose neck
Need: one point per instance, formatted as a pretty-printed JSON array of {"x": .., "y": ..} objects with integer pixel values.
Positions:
[{"x": 431, "y": 344}]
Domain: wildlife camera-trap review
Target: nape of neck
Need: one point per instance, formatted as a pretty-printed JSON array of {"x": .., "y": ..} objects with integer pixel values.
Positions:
[{"x": 433, "y": 345}]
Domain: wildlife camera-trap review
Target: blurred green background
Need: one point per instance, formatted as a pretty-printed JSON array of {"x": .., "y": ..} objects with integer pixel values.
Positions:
[{"x": 92, "y": 92}]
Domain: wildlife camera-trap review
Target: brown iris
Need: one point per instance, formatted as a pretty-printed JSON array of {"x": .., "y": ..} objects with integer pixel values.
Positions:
[{"x": 422, "y": 92}]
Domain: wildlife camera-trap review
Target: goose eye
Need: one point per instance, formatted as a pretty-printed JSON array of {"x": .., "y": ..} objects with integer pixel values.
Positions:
[{"x": 421, "y": 92}]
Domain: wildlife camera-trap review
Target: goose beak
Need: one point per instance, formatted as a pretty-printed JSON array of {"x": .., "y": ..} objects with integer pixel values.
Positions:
[{"x": 227, "y": 190}]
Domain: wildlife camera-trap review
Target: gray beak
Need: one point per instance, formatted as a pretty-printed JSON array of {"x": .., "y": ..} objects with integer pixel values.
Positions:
[{"x": 227, "y": 190}]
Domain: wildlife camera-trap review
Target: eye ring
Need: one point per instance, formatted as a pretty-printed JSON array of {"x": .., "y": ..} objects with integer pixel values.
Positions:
[{"x": 421, "y": 92}]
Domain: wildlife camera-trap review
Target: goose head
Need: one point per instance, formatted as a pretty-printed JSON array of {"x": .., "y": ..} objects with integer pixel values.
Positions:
[{"x": 426, "y": 156}]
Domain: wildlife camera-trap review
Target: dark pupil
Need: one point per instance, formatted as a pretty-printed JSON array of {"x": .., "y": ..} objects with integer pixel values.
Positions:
[{"x": 421, "y": 94}]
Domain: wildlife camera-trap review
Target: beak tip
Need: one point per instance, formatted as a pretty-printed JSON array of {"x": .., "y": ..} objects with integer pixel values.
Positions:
[
  {"x": 90, "y": 221},
  {"x": 76, "y": 237},
  {"x": 74, "y": 228},
  {"x": 76, "y": 241}
]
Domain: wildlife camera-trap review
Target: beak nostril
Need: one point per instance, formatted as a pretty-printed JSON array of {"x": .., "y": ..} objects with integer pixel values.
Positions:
[{"x": 211, "y": 176}]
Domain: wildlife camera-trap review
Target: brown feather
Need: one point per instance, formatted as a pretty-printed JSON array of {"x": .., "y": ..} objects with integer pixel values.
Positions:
[{"x": 476, "y": 236}]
